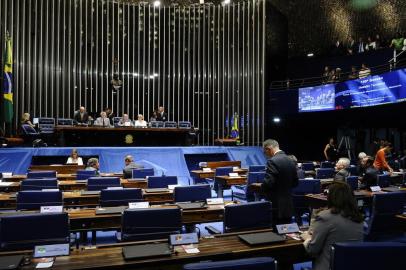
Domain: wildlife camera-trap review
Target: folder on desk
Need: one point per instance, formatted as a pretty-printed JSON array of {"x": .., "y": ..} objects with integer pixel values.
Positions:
[
  {"x": 146, "y": 251},
  {"x": 156, "y": 190},
  {"x": 191, "y": 205},
  {"x": 110, "y": 210},
  {"x": 90, "y": 192},
  {"x": 10, "y": 262},
  {"x": 262, "y": 238}
]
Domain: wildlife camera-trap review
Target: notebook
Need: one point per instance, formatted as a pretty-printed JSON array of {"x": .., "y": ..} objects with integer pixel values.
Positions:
[
  {"x": 10, "y": 262},
  {"x": 90, "y": 192},
  {"x": 262, "y": 238},
  {"x": 194, "y": 205},
  {"x": 145, "y": 251},
  {"x": 156, "y": 190},
  {"x": 110, "y": 210}
]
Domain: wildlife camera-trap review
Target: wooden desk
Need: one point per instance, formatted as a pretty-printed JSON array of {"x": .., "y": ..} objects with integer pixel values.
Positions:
[
  {"x": 158, "y": 197},
  {"x": 210, "y": 174},
  {"x": 227, "y": 181},
  {"x": 224, "y": 247},
  {"x": 60, "y": 169},
  {"x": 59, "y": 176},
  {"x": 320, "y": 200},
  {"x": 227, "y": 163}
]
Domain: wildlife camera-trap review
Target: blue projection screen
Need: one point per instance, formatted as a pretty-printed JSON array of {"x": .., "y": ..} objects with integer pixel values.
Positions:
[{"x": 374, "y": 90}]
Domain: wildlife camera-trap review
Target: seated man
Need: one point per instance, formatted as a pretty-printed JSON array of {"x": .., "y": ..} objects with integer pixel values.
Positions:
[
  {"x": 93, "y": 165},
  {"x": 370, "y": 176},
  {"x": 81, "y": 116},
  {"x": 103, "y": 120},
  {"x": 342, "y": 169},
  {"x": 130, "y": 165},
  {"x": 125, "y": 121}
]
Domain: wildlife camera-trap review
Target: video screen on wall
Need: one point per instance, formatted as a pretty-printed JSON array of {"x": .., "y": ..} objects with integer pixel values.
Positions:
[
  {"x": 374, "y": 90},
  {"x": 319, "y": 98}
]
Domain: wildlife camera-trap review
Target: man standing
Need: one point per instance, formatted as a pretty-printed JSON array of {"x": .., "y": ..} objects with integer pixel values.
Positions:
[
  {"x": 130, "y": 165},
  {"x": 162, "y": 115},
  {"x": 380, "y": 162},
  {"x": 280, "y": 178},
  {"x": 81, "y": 116}
]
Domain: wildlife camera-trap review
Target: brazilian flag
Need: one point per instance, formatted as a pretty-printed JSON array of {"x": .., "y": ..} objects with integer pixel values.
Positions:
[
  {"x": 7, "y": 82},
  {"x": 235, "y": 134}
]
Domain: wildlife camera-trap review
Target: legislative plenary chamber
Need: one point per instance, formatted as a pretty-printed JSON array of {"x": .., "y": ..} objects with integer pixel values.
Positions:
[{"x": 203, "y": 134}]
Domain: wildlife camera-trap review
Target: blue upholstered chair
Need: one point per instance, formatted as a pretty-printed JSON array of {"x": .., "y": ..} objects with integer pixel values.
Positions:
[
  {"x": 383, "y": 224},
  {"x": 99, "y": 183},
  {"x": 305, "y": 186},
  {"x": 119, "y": 197},
  {"x": 384, "y": 180},
  {"x": 256, "y": 168},
  {"x": 64, "y": 122},
  {"x": 244, "y": 192},
  {"x": 46, "y": 125},
  {"x": 308, "y": 166},
  {"x": 39, "y": 184},
  {"x": 84, "y": 174},
  {"x": 368, "y": 255},
  {"x": 323, "y": 173},
  {"x": 33, "y": 200},
  {"x": 149, "y": 224},
  {"x": 170, "y": 124},
  {"x": 192, "y": 193},
  {"x": 353, "y": 170},
  {"x": 20, "y": 232},
  {"x": 116, "y": 120},
  {"x": 184, "y": 124},
  {"x": 143, "y": 173},
  {"x": 247, "y": 216},
  {"x": 162, "y": 181},
  {"x": 41, "y": 174},
  {"x": 156, "y": 124},
  {"x": 259, "y": 263},
  {"x": 352, "y": 181},
  {"x": 326, "y": 164}
]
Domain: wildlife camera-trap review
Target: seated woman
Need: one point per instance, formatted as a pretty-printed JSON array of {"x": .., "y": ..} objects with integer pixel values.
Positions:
[
  {"x": 140, "y": 122},
  {"x": 125, "y": 121},
  {"x": 74, "y": 158},
  {"x": 342, "y": 166},
  {"x": 340, "y": 222},
  {"x": 25, "y": 120},
  {"x": 154, "y": 116}
]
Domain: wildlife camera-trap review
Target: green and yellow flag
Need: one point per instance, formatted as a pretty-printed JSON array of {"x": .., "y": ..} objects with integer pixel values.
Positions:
[{"x": 7, "y": 82}]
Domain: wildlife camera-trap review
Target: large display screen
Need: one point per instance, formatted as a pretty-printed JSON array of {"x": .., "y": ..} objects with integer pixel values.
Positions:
[{"x": 374, "y": 90}]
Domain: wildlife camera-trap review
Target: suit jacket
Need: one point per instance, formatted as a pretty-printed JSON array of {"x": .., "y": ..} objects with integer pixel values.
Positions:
[
  {"x": 128, "y": 170},
  {"x": 163, "y": 117},
  {"x": 370, "y": 178},
  {"x": 341, "y": 175},
  {"x": 280, "y": 178},
  {"x": 79, "y": 119},
  {"x": 99, "y": 122}
]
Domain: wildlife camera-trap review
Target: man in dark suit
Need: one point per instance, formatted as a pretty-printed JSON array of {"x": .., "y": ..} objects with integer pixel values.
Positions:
[
  {"x": 280, "y": 178},
  {"x": 162, "y": 115},
  {"x": 81, "y": 116},
  {"x": 370, "y": 177},
  {"x": 130, "y": 165}
]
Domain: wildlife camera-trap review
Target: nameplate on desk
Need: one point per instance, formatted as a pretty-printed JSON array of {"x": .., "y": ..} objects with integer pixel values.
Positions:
[
  {"x": 49, "y": 189},
  {"x": 207, "y": 170},
  {"x": 7, "y": 174},
  {"x": 233, "y": 174},
  {"x": 135, "y": 205},
  {"x": 183, "y": 239},
  {"x": 127, "y": 124},
  {"x": 287, "y": 228},
  {"x": 5, "y": 184},
  {"x": 235, "y": 169},
  {"x": 214, "y": 201},
  {"x": 375, "y": 188},
  {"x": 51, "y": 250},
  {"x": 172, "y": 187},
  {"x": 52, "y": 209},
  {"x": 114, "y": 188}
]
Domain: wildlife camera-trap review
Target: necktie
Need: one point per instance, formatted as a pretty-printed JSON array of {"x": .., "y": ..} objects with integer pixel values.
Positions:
[{"x": 103, "y": 123}]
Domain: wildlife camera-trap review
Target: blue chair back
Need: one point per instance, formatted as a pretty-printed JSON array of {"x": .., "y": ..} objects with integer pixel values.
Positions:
[
  {"x": 116, "y": 120},
  {"x": 46, "y": 125},
  {"x": 253, "y": 177},
  {"x": 28, "y": 130},
  {"x": 156, "y": 124},
  {"x": 38, "y": 184},
  {"x": 220, "y": 171},
  {"x": 256, "y": 168},
  {"x": 151, "y": 223},
  {"x": 64, "y": 122},
  {"x": 20, "y": 232},
  {"x": 192, "y": 193},
  {"x": 383, "y": 221},
  {"x": 33, "y": 200},
  {"x": 353, "y": 170},
  {"x": 184, "y": 124},
  {"x": 119, "y": 197},
  {"x": 326, "y": 164},
  {"x": 143, "y": 173},
  {"x": 368, "y": 255},
  {"x": 247, "y": 216},
  {"x": 308, "y": 166},
  {"x": 99, "y": 183},
  {"x": 41, "y": 174},
  {"x": 352, "y": 181},
  {"x": 259, "y": 263},
  {"x": 384, "y": 180},
  {"x": 170, "y": 124},
  {"x": 162, "y": 181},
  {"x": 84, "y": 174},
  {"x": 307, "y": 186},
  {"x": 323, "y": 173}
]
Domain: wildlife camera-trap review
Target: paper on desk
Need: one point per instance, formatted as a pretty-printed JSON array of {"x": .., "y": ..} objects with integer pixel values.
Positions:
[
  {"x": 190, "y": 249},
  {"x": 6, "y": 184},
  {"x": 44, "y": 265}
]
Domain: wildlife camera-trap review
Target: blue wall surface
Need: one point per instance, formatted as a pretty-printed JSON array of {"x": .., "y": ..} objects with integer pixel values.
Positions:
[{"x": 165, "y": 160}]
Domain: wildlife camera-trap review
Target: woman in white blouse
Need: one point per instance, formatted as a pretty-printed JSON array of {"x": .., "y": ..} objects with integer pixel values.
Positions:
[
  {"x": 74, "y": 158},
  {"x": 140, "y": 122}
]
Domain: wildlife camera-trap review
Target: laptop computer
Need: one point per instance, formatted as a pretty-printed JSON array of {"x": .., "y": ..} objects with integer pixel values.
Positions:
[
  {"x": 10, "y": 262},
  {"x": 156, "y": 190},
  {"x": 110, "y": 210},
  {"x": 191, "y": 205},
  {"x": 90, "y": 192},
  {"x": 262, "y": 238},
  {"x": 146, "y": 251}
]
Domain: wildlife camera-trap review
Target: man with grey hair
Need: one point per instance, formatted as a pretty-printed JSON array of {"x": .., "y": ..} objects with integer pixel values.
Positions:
[
  {"x": 280, "y": 178},
  {"x": 130, "y": 165},
  {"x": 93, "y": 165},
  {"x": 342, "y": 166}
]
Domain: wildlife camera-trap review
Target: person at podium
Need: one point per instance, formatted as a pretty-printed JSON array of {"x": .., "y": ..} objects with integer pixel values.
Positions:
[
  {"x": 74, "y": 158},
  {"x": 103, "y": 120},
  {"x": 81, "y": 116}
]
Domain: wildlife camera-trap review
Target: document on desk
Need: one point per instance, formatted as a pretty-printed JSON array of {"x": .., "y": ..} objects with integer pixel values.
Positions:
[
  {"x": 44, "y": 265},
  {"x": 190, "y": 249},
  {"x": 5, "y": 184}
]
